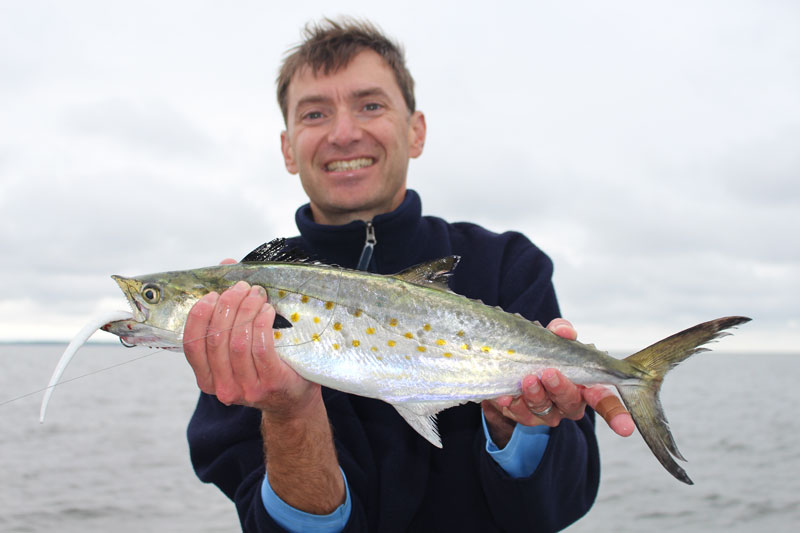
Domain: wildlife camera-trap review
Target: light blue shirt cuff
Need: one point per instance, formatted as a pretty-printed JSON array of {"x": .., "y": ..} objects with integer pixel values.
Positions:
[
  {"x": 523, "y": 452},
  {"x": 293, "y": 519}
]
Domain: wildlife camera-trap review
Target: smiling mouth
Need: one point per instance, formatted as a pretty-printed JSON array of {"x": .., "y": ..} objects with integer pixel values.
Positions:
[{"x": 352, "y": 164}]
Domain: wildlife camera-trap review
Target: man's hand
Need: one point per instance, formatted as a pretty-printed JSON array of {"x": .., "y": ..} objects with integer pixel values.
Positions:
[
  {"x": 228, "y": 341},
  {"x": 229, "y": 344},
  {"x": 550, "y": 398}
]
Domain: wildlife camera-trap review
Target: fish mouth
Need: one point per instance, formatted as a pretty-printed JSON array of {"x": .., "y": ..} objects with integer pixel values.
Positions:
[
  {"x": 349, "y": 165},
  {"x": 133, "y": 333},
  {"x": 131, "y": 288}
]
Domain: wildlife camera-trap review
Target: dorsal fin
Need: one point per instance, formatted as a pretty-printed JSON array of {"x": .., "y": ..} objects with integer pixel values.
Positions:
[
  {"x": 276, "y": 251},
  {"x": 435, "y": 274}
]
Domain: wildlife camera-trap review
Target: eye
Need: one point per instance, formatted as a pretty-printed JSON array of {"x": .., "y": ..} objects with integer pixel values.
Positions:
[
  {"x": 151, "y": 293},
  {"x": 312, "y": 115},
  {"x": 372, "y": 107}
]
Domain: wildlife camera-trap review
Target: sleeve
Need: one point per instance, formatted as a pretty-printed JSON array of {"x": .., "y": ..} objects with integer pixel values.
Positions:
[
  {"x": 520, "y": 457},
  {"x": 226, "y": 449},
  {"x": 564, "y": 484},
  {"x": 295, "y": 520}
]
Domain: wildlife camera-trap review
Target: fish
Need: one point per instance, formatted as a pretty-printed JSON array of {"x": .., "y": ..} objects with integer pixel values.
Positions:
[{"x": 407, "y": 339}]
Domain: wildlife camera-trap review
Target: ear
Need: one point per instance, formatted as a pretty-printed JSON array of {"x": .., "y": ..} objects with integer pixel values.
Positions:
[
  {"x": 288, "y": 153},
  {"x": 416, "y": 134}
]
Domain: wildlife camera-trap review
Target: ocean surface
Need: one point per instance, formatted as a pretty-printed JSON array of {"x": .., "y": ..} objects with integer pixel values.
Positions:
[{"x": 112, "y": 454}]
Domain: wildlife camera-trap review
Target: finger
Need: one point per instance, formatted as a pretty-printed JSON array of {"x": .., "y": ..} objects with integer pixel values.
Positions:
[
  {"x": 607, "y": 405},
  {"x": 564, "y": 393},
  {"x": 534, "y": 406},
  {"x": 502, "y": 401},
  {"x": 194, "y": 340},
  {"x": 218, "y": 342},
  {"x": 228, "y": 261},
  {"x": 563, "y": 328},
  {"x": 264, "y": 341},
  {"x": 241, "y": 340}
]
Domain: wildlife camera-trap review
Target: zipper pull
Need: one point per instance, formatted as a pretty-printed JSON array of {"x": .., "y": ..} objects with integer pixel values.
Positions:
[{"x": 369, "y": 245}]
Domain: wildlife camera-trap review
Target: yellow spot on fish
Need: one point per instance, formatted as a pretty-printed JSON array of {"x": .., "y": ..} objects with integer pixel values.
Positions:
[
  {"x": 315, "y": 337},
  {"x": 357, "y": 313},
  {"x": 511, "y": 352},
  {"x": 393, "y": 322},
  {"x": 447, "y": 354},
  {"x": 281, "y": 294},
  {"x": 337, "y": 326},
  {"x": 335, "y": 346},
  {"x": 370, "y": 331},
  {"x": 391, "y": 343},
  {"x": 356, "y": 343},
  {"x": 485, "y": 349},
  {"x": 374, "y": 348},
  {"x": 295, "y": 317},
  {"x": 407, "y": 357},
  {"x": 465, "y": 346},
  {"x": 440, "y": 342},
  {"x": 328, "y": 305},
  {"x": 426, "y": 327},
  {"x": 304, "y": 299},
  {"x": 379, "y": 358},
  {"x": 460, "y": 333},
  {"x": 420, "y": 348},
  {"x": 316, "y": 320},
  {"x": 276, "y": 334},
  {"x": 408, "y": 335}
]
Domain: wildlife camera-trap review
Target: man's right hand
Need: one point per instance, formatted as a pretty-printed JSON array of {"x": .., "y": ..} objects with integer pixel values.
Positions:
[{"x": 228, "y": 342}]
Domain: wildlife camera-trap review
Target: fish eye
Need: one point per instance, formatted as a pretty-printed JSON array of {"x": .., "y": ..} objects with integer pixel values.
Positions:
[{"x": 151, "y": 293}]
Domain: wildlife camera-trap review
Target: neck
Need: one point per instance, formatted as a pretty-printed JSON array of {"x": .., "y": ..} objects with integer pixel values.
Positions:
[{"x": 331, "y": 217}]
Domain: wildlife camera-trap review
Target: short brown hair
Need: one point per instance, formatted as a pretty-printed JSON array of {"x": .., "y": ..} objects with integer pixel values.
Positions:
[{"x": 331, "y": 44}]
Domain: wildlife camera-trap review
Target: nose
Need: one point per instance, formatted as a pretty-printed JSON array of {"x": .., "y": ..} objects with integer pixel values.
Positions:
[{"x": 345, "y": 129}]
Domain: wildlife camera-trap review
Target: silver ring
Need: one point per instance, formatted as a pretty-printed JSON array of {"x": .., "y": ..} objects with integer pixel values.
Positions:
[{"x": 545, "y": 412}]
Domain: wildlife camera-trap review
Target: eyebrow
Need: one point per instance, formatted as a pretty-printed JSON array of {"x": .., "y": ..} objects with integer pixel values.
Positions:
[{"x": 355, "y": 95}]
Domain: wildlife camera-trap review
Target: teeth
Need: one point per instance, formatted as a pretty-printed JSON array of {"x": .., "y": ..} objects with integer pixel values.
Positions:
[{"x": 353, "y": 164}]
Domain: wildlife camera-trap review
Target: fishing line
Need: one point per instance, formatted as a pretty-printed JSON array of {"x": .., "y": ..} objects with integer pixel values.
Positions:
[
  {"x": 104, "y": 369},
  {"x": 62, "y": 382}
]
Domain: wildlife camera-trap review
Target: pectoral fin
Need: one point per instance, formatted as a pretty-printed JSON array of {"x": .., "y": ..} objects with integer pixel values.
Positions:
[{"x": 281, "y": 322}]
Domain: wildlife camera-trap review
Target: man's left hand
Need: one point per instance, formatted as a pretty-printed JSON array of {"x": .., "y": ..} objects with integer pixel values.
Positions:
[{"x": 550, "y": 398}]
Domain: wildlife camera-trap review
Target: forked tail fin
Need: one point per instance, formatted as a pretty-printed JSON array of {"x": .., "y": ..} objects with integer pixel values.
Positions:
[{"x": 642, "y": 400}]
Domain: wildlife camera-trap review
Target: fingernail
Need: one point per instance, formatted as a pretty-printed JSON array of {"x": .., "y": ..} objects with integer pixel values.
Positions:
[
  {"x": 257, "y": 290},
  {"x": 534, "y": 388},
  {"x": 551, "y": 381},
  {"x": 210, "y": 298},
  {"x": 241, "y": 286}
]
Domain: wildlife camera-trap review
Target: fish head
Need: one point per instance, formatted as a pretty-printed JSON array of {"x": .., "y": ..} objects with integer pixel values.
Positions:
[{"x": 162, "y": 301}]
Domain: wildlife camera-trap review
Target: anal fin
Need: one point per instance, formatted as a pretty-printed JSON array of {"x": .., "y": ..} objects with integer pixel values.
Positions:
[{"x": 422, "y": 417}]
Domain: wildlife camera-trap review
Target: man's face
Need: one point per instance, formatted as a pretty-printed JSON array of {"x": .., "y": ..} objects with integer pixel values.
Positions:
[{"x": 350, "y": 135}]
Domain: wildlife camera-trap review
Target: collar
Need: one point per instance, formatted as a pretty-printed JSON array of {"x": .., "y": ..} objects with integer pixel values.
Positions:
[{"x": 395, "y": 233}]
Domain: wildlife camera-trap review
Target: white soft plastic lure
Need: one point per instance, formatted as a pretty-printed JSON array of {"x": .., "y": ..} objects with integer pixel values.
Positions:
[{"x": 80, "y": 339}]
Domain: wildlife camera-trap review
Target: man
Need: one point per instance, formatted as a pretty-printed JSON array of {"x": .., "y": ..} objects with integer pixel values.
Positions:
[{"x": 294, "y": 455}]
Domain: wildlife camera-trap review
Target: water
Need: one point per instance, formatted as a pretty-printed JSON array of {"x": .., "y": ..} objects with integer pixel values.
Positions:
[{"x": 112, "y": 455}]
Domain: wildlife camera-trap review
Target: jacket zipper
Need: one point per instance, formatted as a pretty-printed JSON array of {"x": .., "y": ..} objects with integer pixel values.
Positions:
[{"x": 369, "y": 245}]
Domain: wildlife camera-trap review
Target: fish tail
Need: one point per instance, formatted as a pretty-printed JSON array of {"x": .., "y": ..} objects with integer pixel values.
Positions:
[{"x": 642, "y": 399}]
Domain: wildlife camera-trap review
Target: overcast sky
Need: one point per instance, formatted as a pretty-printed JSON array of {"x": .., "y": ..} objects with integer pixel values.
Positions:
[{"x": 651, "y": 148}]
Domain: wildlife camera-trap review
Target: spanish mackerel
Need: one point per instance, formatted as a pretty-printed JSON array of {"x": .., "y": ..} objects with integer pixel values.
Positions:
[{"x": 407, "y": 339}]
